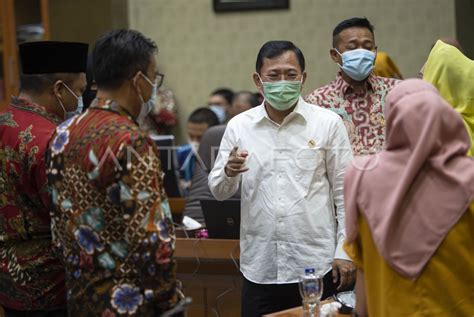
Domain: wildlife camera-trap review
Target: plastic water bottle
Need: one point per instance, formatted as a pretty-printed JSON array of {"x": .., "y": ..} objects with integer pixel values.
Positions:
[{"x": 311, "y": 290}]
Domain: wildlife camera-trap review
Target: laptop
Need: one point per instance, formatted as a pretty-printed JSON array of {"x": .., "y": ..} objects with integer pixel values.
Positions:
[
  {"x": 169, "y": 163},
  {"x": 222, "y": 218}
]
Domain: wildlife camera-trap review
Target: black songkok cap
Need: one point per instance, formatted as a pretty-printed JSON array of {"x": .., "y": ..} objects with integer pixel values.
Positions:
[{"x": 47, "y": 57}]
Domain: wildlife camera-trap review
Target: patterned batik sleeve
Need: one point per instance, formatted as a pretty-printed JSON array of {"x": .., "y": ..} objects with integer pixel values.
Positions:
[
  {"x": 38, "y": 176},
  {"x": 149, "y": 232}
]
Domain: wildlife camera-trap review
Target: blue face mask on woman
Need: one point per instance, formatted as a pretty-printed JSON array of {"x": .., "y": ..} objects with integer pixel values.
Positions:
[{"x": 358, "y": 63}]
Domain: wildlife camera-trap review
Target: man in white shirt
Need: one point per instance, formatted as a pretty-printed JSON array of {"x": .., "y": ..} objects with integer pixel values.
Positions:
[{"x": 290, "y": 157}]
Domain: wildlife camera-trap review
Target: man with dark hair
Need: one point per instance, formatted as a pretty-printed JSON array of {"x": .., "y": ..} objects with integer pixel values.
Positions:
[
  {"x": 289, "y": 157},
  {"x": 52, "y": 81},
  {"x": 220, "y": 101},
  {"x": 111, "y": 221},
  {"x": 356, "y": 94},
  {"x": 199, "y": 121},
  {"x": 243, "y": 101}
]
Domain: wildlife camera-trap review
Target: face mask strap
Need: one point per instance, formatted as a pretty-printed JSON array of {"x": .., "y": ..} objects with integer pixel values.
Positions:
[
  {"x": 138, "y": 88},
  {"x": 70, "y": 90},
  {"x": 154, "y": 86},
  {"x": 62, "y": 107},
  {"x": 337, "y": 51},
  {"x": 148, "y": 80}
]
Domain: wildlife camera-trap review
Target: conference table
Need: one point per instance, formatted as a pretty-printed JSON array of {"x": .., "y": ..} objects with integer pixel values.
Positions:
[
  {"x": 209, "y": 272},
  {"x": 298, "y": 312}
]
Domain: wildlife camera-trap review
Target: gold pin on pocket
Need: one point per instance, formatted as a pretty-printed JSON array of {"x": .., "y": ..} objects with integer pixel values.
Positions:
[{"x": 312, "y": 144}]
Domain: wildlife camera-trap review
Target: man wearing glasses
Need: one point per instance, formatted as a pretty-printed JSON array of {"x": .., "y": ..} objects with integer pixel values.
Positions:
[
  {"x": 290, "y": 157},
  {"x": 111, "y": 222}
]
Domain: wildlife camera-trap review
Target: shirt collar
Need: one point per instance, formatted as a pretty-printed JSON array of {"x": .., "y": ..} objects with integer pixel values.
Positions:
[
  {"x": 299, "y": 111},
  {"x": 111, "y": 105},
  {"x": 345, "y": 88},
  {"x": 27, "y": 105}
]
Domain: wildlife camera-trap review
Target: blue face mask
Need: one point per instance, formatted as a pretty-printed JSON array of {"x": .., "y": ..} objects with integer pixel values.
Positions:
[
  {"x": 357, "y": 64},
  {"x": 79, "y": 108},
  {"x": 147, "y": 106},
  {"x": 219, "y": 111}
]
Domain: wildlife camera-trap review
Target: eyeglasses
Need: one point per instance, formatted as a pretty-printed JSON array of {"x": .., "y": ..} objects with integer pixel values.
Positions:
[{"x": 159, "y": 80}]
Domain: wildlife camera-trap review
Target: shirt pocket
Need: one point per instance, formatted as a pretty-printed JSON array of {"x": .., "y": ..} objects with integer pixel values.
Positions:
[{"x": 308, "y": 163}]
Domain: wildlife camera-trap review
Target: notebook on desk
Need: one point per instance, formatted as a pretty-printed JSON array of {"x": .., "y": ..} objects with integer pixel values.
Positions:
[{"x": 222, "y": 218}]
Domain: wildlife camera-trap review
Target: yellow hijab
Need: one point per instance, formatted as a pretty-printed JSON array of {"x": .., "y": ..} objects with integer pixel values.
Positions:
[
  {"x": 386, "y": 67},
  {"x": 452, "y": 74}
]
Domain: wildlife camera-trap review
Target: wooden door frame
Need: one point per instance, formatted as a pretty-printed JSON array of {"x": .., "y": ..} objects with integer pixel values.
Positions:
[
  {"x": 10, "y": 59},
  {"x": 45, "y": 18},
  {"x": 13, "y": 70}
]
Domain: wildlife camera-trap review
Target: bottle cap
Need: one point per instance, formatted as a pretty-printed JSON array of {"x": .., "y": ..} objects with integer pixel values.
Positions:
[{"x": 309, "y": 271}]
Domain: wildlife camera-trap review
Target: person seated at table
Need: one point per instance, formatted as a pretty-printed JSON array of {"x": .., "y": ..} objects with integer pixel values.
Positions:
[
  {"x": 412, "y": 237},
  {"x": 451, "y": 72},
  {"x": 199, "y": 121}
]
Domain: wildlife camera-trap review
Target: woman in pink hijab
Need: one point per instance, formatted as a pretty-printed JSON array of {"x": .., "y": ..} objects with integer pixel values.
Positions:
[{"x": 410, "y": 211}]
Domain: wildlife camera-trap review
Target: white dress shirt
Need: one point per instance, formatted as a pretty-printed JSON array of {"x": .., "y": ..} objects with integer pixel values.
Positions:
[{"x": 295, "y": 178}]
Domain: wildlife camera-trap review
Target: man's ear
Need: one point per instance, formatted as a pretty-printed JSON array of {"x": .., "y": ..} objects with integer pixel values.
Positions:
[
  {"x": 303, "y": 79},
  {"x": 135, "y": 78},
  {"x": 335, "y": 56},
  {"x": 257, "y": 81},
  {"x": 58, "y": 88},
  {"x": 135, "y": 82}
]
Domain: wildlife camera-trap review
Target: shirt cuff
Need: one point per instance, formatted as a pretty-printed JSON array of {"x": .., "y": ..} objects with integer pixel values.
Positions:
[
  {"x": 229, "y": 182},
  {"x": 340, "y": 253}
]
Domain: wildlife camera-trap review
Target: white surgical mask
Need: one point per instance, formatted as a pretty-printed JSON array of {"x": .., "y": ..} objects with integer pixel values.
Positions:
[{"x": 147, "y": 106}]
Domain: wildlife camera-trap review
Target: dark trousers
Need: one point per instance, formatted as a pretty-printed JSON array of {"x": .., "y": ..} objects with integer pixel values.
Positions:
[
  {"x": 261, "y": 299},
  {"x": 35, "y": 313}
]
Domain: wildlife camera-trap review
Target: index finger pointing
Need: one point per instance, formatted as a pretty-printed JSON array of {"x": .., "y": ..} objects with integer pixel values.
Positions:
[{"x": 234, "y": 151}]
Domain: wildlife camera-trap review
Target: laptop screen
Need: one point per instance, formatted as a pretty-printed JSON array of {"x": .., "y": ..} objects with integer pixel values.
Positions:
[{"x": 222, "y": 218}]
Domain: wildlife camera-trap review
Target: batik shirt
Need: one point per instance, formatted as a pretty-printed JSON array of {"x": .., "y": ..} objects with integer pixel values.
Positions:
[
  {"x": 31, "y": 277},
  {"x": 111, "y": 222},
  {"x": 362, "y": 114}
]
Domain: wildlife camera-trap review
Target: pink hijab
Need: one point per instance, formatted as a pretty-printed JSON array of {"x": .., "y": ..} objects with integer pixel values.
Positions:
[{"x": 413, "y": 192}]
